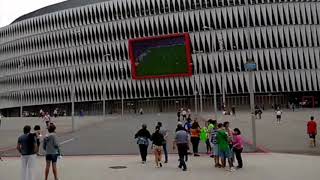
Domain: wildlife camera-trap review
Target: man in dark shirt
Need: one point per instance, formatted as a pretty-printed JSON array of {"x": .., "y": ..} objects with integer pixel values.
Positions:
[
  {"x": 164, "y": 132},
  {"x": 37, "y": 134},
  {"x": 27, "y": 147}
]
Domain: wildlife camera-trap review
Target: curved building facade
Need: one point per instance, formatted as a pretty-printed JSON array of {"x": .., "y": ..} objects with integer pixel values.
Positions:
[{"x": 81, "y": 48}]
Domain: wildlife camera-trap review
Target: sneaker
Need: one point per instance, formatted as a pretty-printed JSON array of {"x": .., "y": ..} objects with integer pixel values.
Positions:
[
  {"x": 232, "y": 169},
  {"x": 143, "y": 162},
  {"x": 184, "y": 169},
  {"x": 165, "y": 162},
  {"x": 196, "y": 155}
]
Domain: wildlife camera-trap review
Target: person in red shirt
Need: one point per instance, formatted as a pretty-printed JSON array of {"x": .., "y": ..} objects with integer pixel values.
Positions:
[{"x": 312, "y": 131}]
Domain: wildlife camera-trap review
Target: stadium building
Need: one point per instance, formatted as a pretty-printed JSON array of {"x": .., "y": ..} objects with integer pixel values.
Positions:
[{"x": 78, "y": 51}]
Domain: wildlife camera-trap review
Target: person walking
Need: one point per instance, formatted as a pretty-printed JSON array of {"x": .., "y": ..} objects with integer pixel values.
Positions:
[
  {"x": 143, "y": 136},
  {"x": 195, "y": 137},
  {"x": 27, "y": 147},
  {"x": 278, "y": 115},
  {"x": 41, "y": 113},
  {"x": 47, "y": 119},
  {"x": 184, "y": 114},
  {"x": 312, "y": 131},
  {"x": 189, "y": 113},
  {"x": 224, "y": 149},
  {"x": 52, "y": 151},
  {"x": 230, "y": 133},
  {"x": 37, "y": 134},
  {"x": 157, "y": 142},
  {"x": 178, "y": 114},
  {"x": 55, "y": 112},
  {"x": 238, "y": 147},
  {"x": 233, "y": 110},
  {"x": 181, "y": 142},
  {"x": 187, "y": 125},
  {"x": 215, "y": 147},
  {"x": 204, "y": 138},
  {"x": 164, "y": 132}
]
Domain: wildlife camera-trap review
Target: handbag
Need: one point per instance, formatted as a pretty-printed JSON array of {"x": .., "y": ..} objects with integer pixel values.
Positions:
[{"x": 142, "y": 141}]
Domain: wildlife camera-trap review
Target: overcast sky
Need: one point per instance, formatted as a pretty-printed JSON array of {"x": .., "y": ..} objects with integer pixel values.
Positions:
[{"x": 12, "y": 9}]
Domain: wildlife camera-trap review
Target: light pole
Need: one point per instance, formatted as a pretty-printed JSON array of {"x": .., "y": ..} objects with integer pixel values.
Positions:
[
  {"x": 21, "y": 65},
  {"x": 221, "y": 46},
  {"x": 214, "y": 85},
  {"x": 73, "y": 87},
  {"x": 200, "y": 86},
  {"x": 122, "y": 70},
  {"x": 194, "y": 89},
  {"x": 104, "y": 77},
  {"x": 198, "y": 74},
  {"x": 250, "y": 67},
  {"x": 72, "y": 99}
]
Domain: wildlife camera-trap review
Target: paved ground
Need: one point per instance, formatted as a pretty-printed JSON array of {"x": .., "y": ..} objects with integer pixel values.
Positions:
[
  {"x": 11, "y": 128},
  {"x": 115, "y": 135},
  {"x": 256, "y": 166},
  {"x": 289, "y": 136}
]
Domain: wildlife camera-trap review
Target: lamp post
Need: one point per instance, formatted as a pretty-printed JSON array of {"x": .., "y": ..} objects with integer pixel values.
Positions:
[
  {"x": 76, "y": 32},
  {"x": 214, "y": 85},
  {"x": 221, "y": 46},
  {"x": 194, "y": 89},
  {"x": 21, "y": 65},
  {"x": 122, "y": 107},
  {"x": 198, "y": 74},
  {"x": 104, "y": 77},
  {"x": 72, "y": 99},
  {"x": 250, "y": 67}
]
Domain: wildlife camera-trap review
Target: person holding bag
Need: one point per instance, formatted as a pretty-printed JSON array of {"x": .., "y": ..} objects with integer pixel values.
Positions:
[
  {"x": 143, "y": 136},
  {"x": 52, "y": 149}
]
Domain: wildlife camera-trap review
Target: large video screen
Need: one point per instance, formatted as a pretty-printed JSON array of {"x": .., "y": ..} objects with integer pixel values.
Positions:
[{"x": 161, "y": 56}]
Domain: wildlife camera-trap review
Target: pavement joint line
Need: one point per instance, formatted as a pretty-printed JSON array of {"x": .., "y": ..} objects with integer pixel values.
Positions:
[{"x": 66, "y": 141}]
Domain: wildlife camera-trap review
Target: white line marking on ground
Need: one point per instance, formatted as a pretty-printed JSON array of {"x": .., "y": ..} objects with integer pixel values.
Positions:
[{"x": 66, "y": 141}]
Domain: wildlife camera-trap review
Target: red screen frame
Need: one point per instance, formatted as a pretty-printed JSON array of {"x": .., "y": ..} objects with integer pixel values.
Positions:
[{"x": 188, "y": 54}]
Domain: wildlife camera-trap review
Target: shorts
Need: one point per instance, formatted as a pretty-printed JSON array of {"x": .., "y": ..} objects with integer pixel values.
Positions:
[
  {"x": 52, "y": 157},
  {"x": 225, "y": 154},
  {"x": 215, "y": 149},
  {"x": 312, "y": 136},
  {"x": 278, "y": 116},
  {"x": 157, "y": 148}
]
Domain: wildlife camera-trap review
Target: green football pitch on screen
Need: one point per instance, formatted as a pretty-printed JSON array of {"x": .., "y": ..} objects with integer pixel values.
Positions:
[{"x": 166, "y": 60}]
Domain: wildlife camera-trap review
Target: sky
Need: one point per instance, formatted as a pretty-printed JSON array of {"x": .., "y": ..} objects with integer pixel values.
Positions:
[{"x": 12, "y": 9}]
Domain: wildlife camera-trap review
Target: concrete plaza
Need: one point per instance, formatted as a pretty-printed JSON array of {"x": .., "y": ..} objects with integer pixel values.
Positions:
[
  {"x": 114, "y": 135},
  {"x": 256, "y": 166}
]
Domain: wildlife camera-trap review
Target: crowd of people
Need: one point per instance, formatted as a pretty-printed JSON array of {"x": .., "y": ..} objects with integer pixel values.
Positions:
[
  {"x": 223, "y": 144},
  {"x": 29, "y": 147}
]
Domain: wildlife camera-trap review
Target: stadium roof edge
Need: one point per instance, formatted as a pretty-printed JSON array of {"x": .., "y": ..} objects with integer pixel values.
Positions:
[{"x": 57, "y": 7}]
